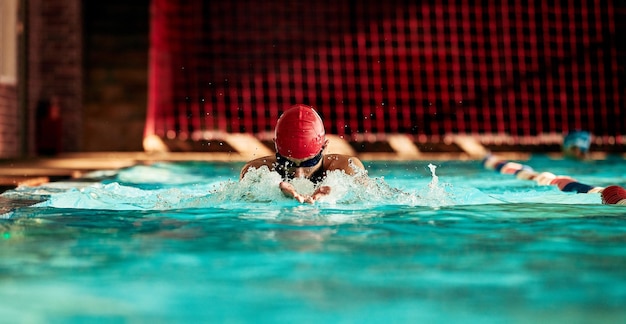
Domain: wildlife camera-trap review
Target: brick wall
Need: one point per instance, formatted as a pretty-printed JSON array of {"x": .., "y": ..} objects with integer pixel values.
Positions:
[
  {"x": 54, "y": 67},
  {"x": 91, "y": 57},
  {"x": 9, "y": 140}
]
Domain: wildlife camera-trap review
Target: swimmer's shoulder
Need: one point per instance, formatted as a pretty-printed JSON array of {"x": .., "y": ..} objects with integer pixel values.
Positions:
[
  {"x": 268, "y": 161},
  {"x": 343, "y": 162}
]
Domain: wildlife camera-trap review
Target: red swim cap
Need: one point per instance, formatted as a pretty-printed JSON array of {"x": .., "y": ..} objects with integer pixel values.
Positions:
[{"x": 299, "y": 133}]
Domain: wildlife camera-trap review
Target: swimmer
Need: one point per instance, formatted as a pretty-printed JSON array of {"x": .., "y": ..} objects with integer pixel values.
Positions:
[
  {"x": 576, "y": 145},
  {"x": 300, "y": 141}
]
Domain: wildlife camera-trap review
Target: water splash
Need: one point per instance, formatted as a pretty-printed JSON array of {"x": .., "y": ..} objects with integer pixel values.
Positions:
[
  {"x": 258, "y": 186},
  {"x": 435, "y": 179},
  {"x": 437, "y": 195},
  {"x": 261, "y": 187}
]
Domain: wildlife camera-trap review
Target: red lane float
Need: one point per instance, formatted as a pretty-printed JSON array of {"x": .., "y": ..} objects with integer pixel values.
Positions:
[
  {"x": 614, "y": 195},
  {"x": 611, "y": 195}
]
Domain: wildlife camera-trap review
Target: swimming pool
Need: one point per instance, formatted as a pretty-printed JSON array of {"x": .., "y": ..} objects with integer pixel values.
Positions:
[{"x": 187, "y": 241}]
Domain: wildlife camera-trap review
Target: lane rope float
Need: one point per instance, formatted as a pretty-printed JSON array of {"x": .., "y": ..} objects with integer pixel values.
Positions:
[{"x": 611, "y": 195}]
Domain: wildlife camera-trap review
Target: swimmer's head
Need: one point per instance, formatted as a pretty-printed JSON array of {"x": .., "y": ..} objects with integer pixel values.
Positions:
[
  {"x": 576, "y": 144},
  {"x": 299, "y": 133}
]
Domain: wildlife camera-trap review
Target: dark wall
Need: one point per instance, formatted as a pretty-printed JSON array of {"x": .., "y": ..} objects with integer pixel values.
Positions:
[{"x": 115, "y": 65}]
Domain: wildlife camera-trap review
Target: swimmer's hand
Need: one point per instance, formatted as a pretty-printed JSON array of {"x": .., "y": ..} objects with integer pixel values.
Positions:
[
  {"x": 289, "y": 191},
  {"x": 320, "y": 192}
]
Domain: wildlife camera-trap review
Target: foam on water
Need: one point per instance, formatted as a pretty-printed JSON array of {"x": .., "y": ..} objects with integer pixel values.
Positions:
[
  {"x": 258, "y": 186},
  {"x": 128, "y": 191}
]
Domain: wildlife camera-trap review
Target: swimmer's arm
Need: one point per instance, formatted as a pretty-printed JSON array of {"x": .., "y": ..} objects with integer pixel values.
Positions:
[
  {"x": 245, "y": 170},
  {"x": 355, "y": 166},
  {"x": 349, "y": 164},
  {"x": 357, "y": 170},
  {"x": 320, "y": 192},
  {"x": 289, "y": 191},
  {"x": 257, "y": 163}
]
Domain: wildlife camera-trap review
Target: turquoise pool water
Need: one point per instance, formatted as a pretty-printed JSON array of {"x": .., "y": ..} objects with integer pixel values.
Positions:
[{"x": 177, "y": 242}]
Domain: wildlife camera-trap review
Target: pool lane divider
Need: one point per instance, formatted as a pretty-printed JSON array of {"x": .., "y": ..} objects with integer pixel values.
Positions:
[{"x": 611, "y": 195}]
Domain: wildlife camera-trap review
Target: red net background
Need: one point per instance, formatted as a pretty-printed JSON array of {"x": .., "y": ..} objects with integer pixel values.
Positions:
[{"x": 520, "y": 68}]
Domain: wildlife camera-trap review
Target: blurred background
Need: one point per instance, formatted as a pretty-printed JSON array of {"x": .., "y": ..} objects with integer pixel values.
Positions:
[{"x": 93, "y": 76}]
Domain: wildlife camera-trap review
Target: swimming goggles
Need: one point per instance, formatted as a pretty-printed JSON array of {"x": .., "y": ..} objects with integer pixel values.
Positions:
[{"x": 288, "y": 164}]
